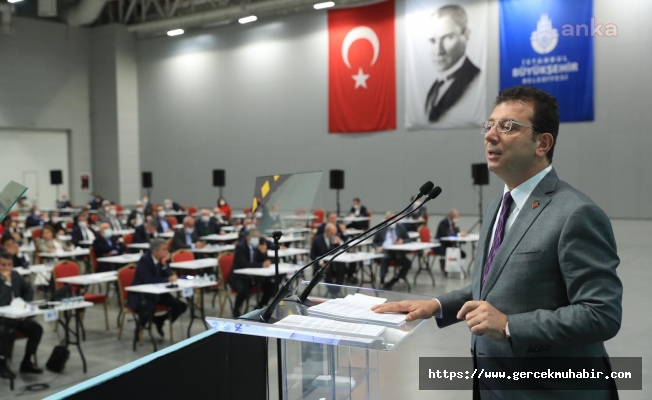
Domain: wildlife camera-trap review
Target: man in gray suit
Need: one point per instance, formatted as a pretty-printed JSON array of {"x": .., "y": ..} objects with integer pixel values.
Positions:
[{"x": 545, "y": 280}]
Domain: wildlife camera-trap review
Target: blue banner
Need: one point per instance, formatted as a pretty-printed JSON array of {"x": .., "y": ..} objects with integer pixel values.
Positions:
[{"x": 548, "y": 44}]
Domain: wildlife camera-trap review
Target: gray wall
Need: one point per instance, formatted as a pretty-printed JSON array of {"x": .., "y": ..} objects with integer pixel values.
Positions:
[
  {"x": 44, "y": 84},
  {"x": 253, "y": 100}
]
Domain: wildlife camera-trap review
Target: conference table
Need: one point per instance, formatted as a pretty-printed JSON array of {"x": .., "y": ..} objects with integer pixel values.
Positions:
[
  {"x": 185, "y": 286},
  {"x": 359, "y": 257},
  {"x": 419, "y": 248},
  {"x": 227, "y": 237}
]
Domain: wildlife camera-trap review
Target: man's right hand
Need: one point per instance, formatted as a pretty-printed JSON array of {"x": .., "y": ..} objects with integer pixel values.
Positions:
[
  {"x": 6, "y": 275},
  {"x": 267, "y": 263},
  {"x": 173, "y": 278},
  {"x": 416, "y": 309}
]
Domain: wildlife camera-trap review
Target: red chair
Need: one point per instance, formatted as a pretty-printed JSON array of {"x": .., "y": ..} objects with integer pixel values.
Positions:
[
  {"x": 69, "y": 225},
  {"x": 125, "y": 278},
  {"x": 192, "y": 211},
  {"x": 319, "y": 217},
  {"x": 68, "y": 268},
  {"x": 93, "y": 218},
  {"x": 128, "y": 238},
  {"x": 226, "y": 210},
  {"x": 119, "y": 208},
  {"x": 93, "y": 259},
  {"x": 183, "y": 208},
  {"x": 13, "y": 214},
  {"x": 182, "y": 255},
  {"x": 225, "y": 265},
  {"x": 172, "y": 221},
  {"x": 247, "y": 210},
  {"x": 36, "y": 234}
]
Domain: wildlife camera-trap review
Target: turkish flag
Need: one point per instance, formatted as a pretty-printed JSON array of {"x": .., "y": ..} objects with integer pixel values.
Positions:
[{"x": 361, "y": 69}]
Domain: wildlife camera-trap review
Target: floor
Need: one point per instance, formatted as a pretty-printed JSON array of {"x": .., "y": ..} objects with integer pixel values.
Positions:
[{"x": 398, "y": 369}]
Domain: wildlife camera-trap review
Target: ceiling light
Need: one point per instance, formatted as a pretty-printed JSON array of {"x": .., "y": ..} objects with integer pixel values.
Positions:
[
  {"x": 175, "y": 32},
  {"x": 328, "y": 4},
  {"x": 245, "y": 20}
]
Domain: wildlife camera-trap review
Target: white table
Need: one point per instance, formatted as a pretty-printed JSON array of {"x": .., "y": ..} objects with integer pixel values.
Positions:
[
  {"x": 195, "y": 264},
  {"x": 90, "y": 279},
  {"x": 270, "y": 271},
  {"x": 36, "y": 269},
  {"x": 414, "y": 235},
  {"x": 243, "y": 215},
  {"x": 306, "y": 217},
  {"x": 291, "y": 252},
  {"x": 356, "y": 257},
  {"x": 214, "y": 249},
  {"x": 166, "y": 235},
  {"x": 174, "y": 213},
  {"x": 353, "y": 232},
  {"x": 85, "y": 243},
  {"x": 353, "y": 219},
  {"x": 155, "y": 289},
  {"x": 66, "y": 254},
  {"x": 290, "y": 239},
  {"x": 64, "y": 238},
  {"x": 419, "y": 247},
  {"x": 289, "y": 231},
  {"x": 138, "y": 246},
  {"x": 230, "y": 228},
  {"x": 123, "y": 232},
  {"x": 228, "y": 237},
  {"x": 121, "y": 259},
  {"x": 412, "y": 221},
  {"x": 68, "y": 314}
]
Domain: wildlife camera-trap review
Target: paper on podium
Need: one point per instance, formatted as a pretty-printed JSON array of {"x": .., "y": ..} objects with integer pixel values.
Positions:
[
  {"x": 363, "y": 298},
  {"x": 329, "y": 325},
  {"x": 350, "y": 309}
]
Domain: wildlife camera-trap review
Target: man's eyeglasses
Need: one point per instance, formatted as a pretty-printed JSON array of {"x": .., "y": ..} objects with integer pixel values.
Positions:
[{"x": 502, "y": 126}]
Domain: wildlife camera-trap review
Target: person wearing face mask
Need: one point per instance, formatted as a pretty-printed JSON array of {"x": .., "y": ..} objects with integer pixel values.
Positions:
[
  {"x": 358, "y": 210},
  {"x": 205, "y": 225},
  {"x": 58, "y": 225},
  {"x": 106, "y": 245},
  {"x": 82, "y": 231},
  {"x": 103, "y": 211},
  {"x": 322, "y": 244},
  {"x": 112, "y": 219},
  {"x": 10, "y": 227},
  {"x": 163, "y": 224},
  {"x": 219, "y": 219},
  {"x": 137, "y": 216},
  {"x": 49, "y": 243},
  {"x": 34, "y": 218},
  {"x": 225, "y": 208},
  {"x": 147, "y": 206},
  {"x": 187, "y": 237},
  {"x": 145, "y": 232},
  {"x": 95, "y": 202},
  {"x": 448, "y": 226},
  {"x": 250, "y": 253}
]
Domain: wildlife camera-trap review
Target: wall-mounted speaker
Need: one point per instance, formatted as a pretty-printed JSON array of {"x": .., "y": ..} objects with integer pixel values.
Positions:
[
  {"x": 337, "y": 179},
  {"x": 147, "y": 180},
  {"x": 480, "y": 174},
  {"x": 56, "y": 177},
  {"x": 219, "y": 178}
]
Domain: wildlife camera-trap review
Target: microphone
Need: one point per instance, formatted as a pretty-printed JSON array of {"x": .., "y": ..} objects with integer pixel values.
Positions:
[
  {"x": 321, "y": 273},
  {"x": 265, "y": 314}
]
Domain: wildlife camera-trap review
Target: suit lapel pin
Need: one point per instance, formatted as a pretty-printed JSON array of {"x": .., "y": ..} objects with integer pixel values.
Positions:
[{"x": 535, "y": 204}]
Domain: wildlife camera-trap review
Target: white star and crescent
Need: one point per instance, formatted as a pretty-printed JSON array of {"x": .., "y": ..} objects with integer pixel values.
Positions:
[{"x": 357, "y": 33}]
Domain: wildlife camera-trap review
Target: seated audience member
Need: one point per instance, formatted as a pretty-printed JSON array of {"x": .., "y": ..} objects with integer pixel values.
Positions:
[
  {"x": 247, "y": 225},
  {"x": 12, "y": 286},
  {"x": 225, "y": 208},
  {"x": 271, "y": 218},
  {"x": 205, "y": 225},
  {"x": 171, "y": 205},
  {"x": 219, "y": 218},
  {"x": 10, "y": 245},
  {"x": 448, "y": 226},
  {"x": 395, "y": 234},
  {"x": 112, "y": 219},
  {"x": 162, "y": 223},
  {"x": 153, "y": 268},
  {"x": 49, "y": 243},
  {"x": 331, "y": 218},
  {"x": 148, "y": 206},
  {"x": 146, "y": 232},
  {"x": 322, "y": 244},
  {"x": 34, "y": 218},
  {"x": 64, "y": 202},
  {"x": 10, "y": 227},
  {"x": 107, "y": 245},
  {"x": 250, "y": 253},
  {"x": 95, "y": 201},
  {"x": 358, "y": 210},
  {"x": 81, "y": 231},
  {"x": 58, "y": 225},
  {"x": 186, "y": 237},
  {"x": 22, "y": 205},
  {"x": 137, "y": 216},
  {"x": 420, "y": 216}
]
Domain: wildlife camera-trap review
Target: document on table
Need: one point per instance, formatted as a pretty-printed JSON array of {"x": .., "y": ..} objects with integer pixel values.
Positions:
[
  {"x": 363, "y": 298},
  {"x": 329, "y": 325},
  {"x": 351, "y": 310}
]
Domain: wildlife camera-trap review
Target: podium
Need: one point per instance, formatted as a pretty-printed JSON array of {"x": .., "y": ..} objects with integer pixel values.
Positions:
[{"x": 319, "y": 364}]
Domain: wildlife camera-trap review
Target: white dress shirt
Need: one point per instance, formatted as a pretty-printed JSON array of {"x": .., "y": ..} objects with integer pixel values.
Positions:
[{"x": 520, "y": 195}]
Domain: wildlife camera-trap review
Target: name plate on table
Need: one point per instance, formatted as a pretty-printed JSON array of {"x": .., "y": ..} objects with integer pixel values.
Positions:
[
  {"x": 187, "y": 292},
  {"x": 51, "y": 315}
]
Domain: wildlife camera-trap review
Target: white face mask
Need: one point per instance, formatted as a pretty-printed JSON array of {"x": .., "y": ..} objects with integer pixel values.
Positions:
[
  {"x": 113, "y": 212},
  {"x": 83, "y": 224},
  {"x": 456, "y": 221},
  {"x": 205, "y": 218},
  {"x": 254, "y": 241},
  {"x": 145, "y": 200},
  {"x": 139, "y": 209},
  {"x": 161, "y": 214},
  {"x": 222, "y": 203},
  {"x": 190, "y": 230}
]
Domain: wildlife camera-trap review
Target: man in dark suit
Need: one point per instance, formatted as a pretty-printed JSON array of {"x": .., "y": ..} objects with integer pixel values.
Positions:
[
  {"x": 205, "y": 225},
  {"x": 11, "y": 246},
  {"x": 146, "y": 232},
  {"x": 395, "y": 234},
  {"x": 58, "y": 225},
  {"x": 163, "y": 224},
  {"x": 152, "y": 268},
  {"x": 13, "y": 286},
  {"x": 186, "y": 237},
  {"x": 331, "y": 218},
  {"x": 136, "y": 216},
  {"x": 112, "y": 219},
  {"x": 456, "y": 71},
  {"x": 322, "y": 244},
  {"x": 545, "y": 282},
  {"x": 106, "y": 245},
  {"x": 448, "y": 226},
  {"x": 81, "y": 231},
  {"x": 34, "y": 218},
  {"x": 358, "y": 210},
  {"x": 250, "y": 253},
  {"x": 64, "y": 202}
]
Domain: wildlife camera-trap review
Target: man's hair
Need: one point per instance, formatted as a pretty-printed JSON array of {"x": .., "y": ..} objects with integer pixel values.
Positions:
[
  {"x": 457, "y": 14},
  {"x": 546, "y": 110},
  {"x": 7, "y": 238},
  {"x": 356, "y": 199},
  {"x": 156, "y": 244},
  {"x": 5, "y": 255},
  {"x": 331, "y": 213},
  {"x": 252, "y": 230},
  {"x": 50, "y": 228}
]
